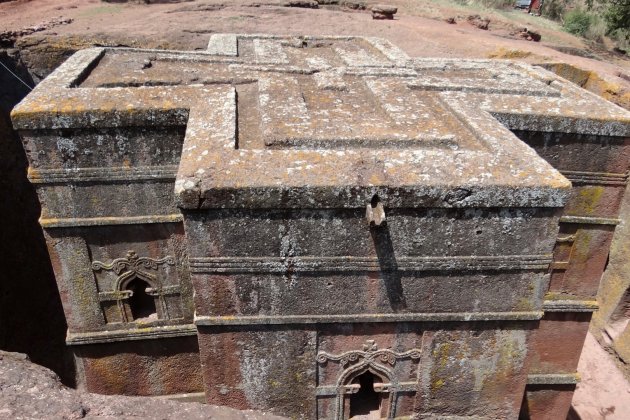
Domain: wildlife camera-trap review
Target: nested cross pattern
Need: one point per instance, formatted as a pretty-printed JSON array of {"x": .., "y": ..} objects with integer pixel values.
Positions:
[
  {"x": 286, "y": 112},
  {"x": 326, "y": 93}
]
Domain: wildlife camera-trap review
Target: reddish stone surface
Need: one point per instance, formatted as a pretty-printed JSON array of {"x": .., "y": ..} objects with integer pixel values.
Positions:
[
  {"x": 30, "y": 391},
  {"x": 597, "y": 167},
  {"x": 147, "y": 20},
  {"x": 579, "y": 259},
  {"x": 147, "y": 367},
  {"x": 556, "y": 344},
  {"x": 555, "y": 348},
  {"x": 603, "y": 391},
  {"x": 274, "y": 202},
  {"x": 268, "y": 367},
  {"x": 547, "y": 402}
]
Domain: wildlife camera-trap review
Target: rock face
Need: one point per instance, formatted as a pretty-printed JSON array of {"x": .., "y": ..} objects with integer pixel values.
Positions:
[
  {"x": 525, "y": 33},
  {"x": 383, "y": 11},
  {"x": 31, "y": 315},
  {"x": 610, "y": 322},
  {"x": 8, "y": 38},
  {"x": 478, "y": 21},
  {"x": 308, "y": 4},
  {"x": 147, "y": 1},
  {"x": 354, "y": 5},
  {"x": 339, "y": 264},
  {"x": 30, "y": 391}
]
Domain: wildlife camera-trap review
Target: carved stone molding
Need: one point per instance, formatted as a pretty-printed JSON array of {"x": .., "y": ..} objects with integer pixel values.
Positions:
[
  {"x": 132, "y": 263},
  {"x": 211, "y": 320},
  {"x": 370, "y": 353},
  {"x": 351, "y": 263},
  {"x": 596, "y": 178},
  {"x": 104, "y": 174},
  {"x": 109, "y": 221}
]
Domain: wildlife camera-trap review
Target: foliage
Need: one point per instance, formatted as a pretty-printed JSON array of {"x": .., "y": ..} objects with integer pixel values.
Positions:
[
  {"x": 591, "y": 19},
  {"x": 622, "y": 38},
  {"x": 597, "y": 30},
  {"x": 555, "y": 9},
  {"x": 617, "y": 15},
  {"x": 497, "y": 4},
  {"x": 578, "y": 22}
]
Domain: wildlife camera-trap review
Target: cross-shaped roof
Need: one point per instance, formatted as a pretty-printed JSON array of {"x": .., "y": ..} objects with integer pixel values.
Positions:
[{"x": 330, "y": 121}]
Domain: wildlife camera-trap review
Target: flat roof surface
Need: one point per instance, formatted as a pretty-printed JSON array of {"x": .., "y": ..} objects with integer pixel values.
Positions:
[{"x": 330, "y": 121}]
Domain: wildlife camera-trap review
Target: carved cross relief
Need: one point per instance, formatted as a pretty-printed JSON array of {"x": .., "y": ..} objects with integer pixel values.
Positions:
[
  {"x": 308, "y": 99},
  {"x": 294, "y": 92}
]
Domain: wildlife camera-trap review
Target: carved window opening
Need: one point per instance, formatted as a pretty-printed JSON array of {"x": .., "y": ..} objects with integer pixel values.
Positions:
[
  {"x": 141, "y": 303},
  {"x": 366, "y": 403},
  {"x": 138, "y": 293}
]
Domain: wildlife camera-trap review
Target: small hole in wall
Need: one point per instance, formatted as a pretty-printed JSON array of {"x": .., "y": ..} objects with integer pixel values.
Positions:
[
  {"x": 478, "y": 231},
  {"x": 375, "y": 200},
  {"x": 142, "y": 304}
]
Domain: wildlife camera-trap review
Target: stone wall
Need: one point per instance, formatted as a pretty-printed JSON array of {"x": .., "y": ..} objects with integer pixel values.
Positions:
[
  {"x": 610, "y": 322},
  {"x": 31, "y": 315}
]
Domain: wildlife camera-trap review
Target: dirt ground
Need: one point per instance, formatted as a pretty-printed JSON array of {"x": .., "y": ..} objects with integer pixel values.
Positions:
[
  {"x": 603, "y": 393},
  {"x": 419, "y": 29}
]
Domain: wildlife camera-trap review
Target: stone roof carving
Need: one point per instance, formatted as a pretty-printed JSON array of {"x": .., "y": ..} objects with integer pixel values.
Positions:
[{"x": 330, "y": 121}]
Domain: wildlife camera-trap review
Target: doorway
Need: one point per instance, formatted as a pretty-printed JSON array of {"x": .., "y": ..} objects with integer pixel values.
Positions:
[
  {"x": 142, "y": 304},
  {"x": 366, "y": 403}
]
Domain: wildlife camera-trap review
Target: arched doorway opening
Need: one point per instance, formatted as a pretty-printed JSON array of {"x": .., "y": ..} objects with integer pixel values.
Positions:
[
  {"x": 366, "y": 402},
  {"x": 141, "y": 304}
]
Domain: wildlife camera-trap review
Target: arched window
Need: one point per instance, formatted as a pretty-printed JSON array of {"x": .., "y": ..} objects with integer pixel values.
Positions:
[
  {"x": 141, "y": 303},
  {"x": 366, "y": 402}
]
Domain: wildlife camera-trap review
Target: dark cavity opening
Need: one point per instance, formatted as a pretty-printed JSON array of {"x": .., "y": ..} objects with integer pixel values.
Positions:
[
  {"x": 375, "y": 200},
  {"x": 366, "y": 401},
  {"x": 141, "y": 303}
]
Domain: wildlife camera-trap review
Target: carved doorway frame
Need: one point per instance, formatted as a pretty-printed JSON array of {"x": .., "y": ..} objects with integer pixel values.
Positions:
[
  {"x": 345, "y": 389},
  {"x": 379, "y": 362}
]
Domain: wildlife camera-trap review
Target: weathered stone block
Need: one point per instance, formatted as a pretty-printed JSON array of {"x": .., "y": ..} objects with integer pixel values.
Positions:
[
  {"x": 597, "y": 166},
  {"x": 274, "y": 212},
  {"x": 148, "y": 367},
  {"x": 270, "y": 367},
  {"x": 383, "y": 11},
  {"x": 547, "y": 402},
  {"x": 475, "y": 370},
  {"x": 557, "y": 342}
]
